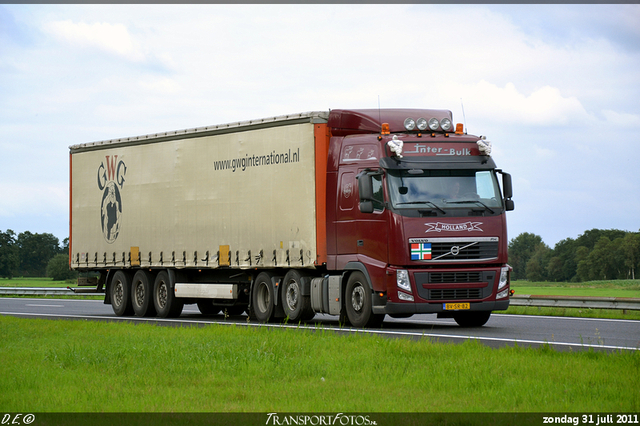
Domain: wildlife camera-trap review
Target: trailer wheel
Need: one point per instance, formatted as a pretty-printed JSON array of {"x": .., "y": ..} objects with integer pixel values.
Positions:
[
  {"x": 296, "y": 306},
  {"x": 262, "y": 297},
  {"x": 358, "y": 302},
  {"x": 166, "y": 303},
  {"x": 472, "y": 319},
  {"x": 142, "y": 294},
  {"x": 120, "y": 291}
]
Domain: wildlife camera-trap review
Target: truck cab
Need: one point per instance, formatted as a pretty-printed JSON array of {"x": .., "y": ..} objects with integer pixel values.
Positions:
[{"x": 416, "y": 209}]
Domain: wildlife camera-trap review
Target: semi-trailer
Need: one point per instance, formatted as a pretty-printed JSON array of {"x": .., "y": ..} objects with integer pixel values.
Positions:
[{"x": 357, "y": 213}]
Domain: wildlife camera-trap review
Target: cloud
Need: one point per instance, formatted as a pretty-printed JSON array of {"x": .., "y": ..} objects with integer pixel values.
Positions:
[
  {"x": 545, "y": 106},
  {"x": 112, "y": 38},
  {"x": 622, "y": 119}
]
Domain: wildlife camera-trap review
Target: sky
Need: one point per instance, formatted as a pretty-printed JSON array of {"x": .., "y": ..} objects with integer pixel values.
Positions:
[{"x": 555, "y": 88}]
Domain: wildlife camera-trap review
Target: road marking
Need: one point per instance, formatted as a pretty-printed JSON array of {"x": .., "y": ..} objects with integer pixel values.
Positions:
[
  {"x": 45, "y": 306},
  {"x": 567, "y": 318},
  {"x": 321, "y": 327}
]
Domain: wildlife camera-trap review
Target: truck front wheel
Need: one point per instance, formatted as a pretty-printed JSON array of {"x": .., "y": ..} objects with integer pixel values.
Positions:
[
  {"x": 120, "y": 291},
  {"x": 262, "y": 297},
  {"x": 166, "y": 303},
  {"x": 358, "y": 302},
  {"x": 472, "y": 319}
]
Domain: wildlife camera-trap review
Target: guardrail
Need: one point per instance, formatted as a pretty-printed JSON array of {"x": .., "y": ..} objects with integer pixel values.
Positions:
[
  {"x": 585, "y": 302},
  {"x": 47, "y": 291},
  {"x": 622, "y": 303}
]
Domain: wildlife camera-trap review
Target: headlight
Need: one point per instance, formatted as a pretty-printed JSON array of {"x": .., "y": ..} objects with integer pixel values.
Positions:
[
  {"x": 422, "y": 124},
  {"x": 434, "y": 124},
  {"x": 409, "y": 124},
  {"x": 402, "y": 280},
  {"x": 504, "y": 277},
  {"x": 446, "y": 125}
]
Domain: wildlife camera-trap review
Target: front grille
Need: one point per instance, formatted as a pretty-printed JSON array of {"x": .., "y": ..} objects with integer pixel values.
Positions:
[
  {"x": 455, "y": 277},
  {"x": 455, "y": 294},
  {"x": 454, "y": 285},
  {"x": 464, "y": 250}
]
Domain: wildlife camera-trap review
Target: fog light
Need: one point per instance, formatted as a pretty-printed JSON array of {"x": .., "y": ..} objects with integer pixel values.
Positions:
[
  {"x": 503, "y": 294},
  {"x": 404, "y": 296}
]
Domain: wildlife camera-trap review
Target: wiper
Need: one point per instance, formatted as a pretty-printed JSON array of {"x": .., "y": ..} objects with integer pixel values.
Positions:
[
  {"x": 424, "y": 202},
  {"x": 470, "y": 201}
]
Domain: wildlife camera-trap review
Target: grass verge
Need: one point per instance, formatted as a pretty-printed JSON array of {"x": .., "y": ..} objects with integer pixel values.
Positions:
[{"x": 77, "y": 366}]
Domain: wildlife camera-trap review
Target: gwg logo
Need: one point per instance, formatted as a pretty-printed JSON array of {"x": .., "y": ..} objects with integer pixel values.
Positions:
[{"x": 109, "y": 179}]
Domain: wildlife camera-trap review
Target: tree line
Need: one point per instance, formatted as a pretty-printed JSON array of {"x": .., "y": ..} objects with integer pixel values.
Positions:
[
  {"x": 595, "y": 255},
  {"x": 33, "y": 255}
]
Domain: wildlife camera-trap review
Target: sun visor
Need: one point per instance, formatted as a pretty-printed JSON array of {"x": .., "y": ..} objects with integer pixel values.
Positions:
[{"x": 471, "y": 162}]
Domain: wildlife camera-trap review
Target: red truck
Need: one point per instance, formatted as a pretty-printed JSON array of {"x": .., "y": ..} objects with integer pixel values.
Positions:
[{"x": 356, "y": 213}]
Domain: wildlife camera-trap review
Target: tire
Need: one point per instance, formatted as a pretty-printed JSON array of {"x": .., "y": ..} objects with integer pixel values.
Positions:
[
  {"x": 472, "y": 319},
  {"x": 206, "y": 307},
  {"x": 120, "y": 292},
  {"x": 263, "y": 298},
  {"x": 296, "y": 306},
  {"x": 358, "y": 302},
  {"x": 142, "y": 294},
  {"x": 166, "y": 303}
]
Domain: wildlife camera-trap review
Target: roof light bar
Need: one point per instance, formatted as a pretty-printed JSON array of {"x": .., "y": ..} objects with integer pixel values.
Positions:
[{"x": 409, "y": 124}]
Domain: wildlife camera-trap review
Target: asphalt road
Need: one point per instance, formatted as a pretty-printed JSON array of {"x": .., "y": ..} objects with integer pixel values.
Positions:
[{"x": 561, "y": 333}]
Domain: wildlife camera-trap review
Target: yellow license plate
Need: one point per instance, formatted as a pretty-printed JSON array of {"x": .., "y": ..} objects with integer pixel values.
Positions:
[{"x": 456, "y": 306}]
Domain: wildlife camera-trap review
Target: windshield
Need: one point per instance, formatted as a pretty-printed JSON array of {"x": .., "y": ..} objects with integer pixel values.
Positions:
[{"x": 443, "y": 189}]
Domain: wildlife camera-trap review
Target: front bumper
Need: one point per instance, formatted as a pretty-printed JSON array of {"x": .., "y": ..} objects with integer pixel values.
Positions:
[{"x": 392, "y": 308}]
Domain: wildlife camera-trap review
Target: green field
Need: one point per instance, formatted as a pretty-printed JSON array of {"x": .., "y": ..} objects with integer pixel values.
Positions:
[
  {"x": 34, "y": 282},
  {"x": 613, "y": 288},
  {"x": 84, "y": 366}
]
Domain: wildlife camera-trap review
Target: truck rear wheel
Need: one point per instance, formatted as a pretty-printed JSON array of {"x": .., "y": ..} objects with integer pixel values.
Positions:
[
  {"x": 166, "y": 303},
  {"x": 262, "y": 297},
  {"x": 120, "y": 291},
  {"x": 141, "y": 294},
  {"x": 358, "y": 302},
  {"x": 472, "y": 319},
  {"x": 296, "y": 306}
]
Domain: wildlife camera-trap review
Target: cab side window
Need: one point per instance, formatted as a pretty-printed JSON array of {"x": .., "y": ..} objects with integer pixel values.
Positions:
[{"x": 378, "y": 193}]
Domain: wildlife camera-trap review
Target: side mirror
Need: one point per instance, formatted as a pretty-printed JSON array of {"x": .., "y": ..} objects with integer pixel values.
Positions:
[
  {"x": 507, "y": 188},
  {"x": 506, "y": 185},
  {"x": 365, "y": 191},
  {"x": 365, "y": 186}
]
